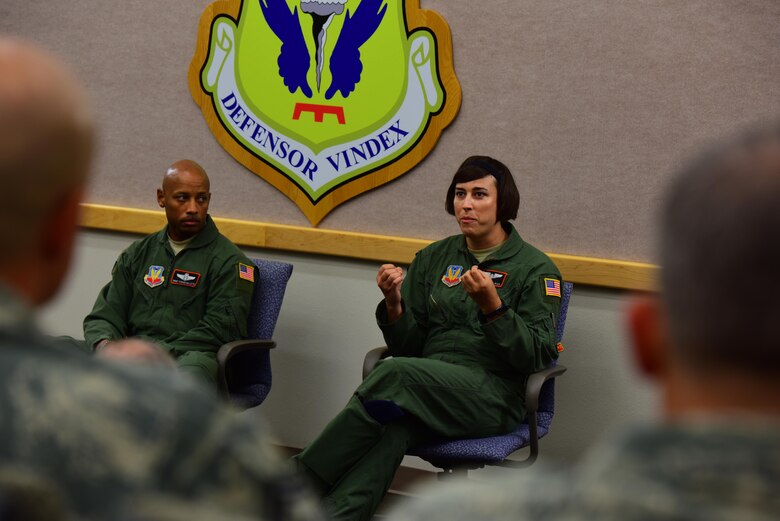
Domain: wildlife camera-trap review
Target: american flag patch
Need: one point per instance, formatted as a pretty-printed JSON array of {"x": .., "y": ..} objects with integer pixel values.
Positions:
[
  {"x": 552, "y": 287},
  {"x": 246, "y": 272}
]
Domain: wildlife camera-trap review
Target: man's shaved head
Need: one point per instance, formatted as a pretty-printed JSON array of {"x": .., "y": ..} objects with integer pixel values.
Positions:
[
  {"x": 184, "y": 165},
  {"x": 45, "y": 140}
]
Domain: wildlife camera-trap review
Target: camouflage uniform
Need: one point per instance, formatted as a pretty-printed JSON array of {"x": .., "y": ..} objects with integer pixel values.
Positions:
[
  {"x": 707, "y": 470},
  {"x": 114, "y": 438}
]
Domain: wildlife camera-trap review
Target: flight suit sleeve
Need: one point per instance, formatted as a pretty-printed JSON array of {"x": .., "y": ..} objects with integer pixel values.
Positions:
[
  {"x": 525, "y": 334},
  {"x": 407, "y": 335},
  {"x": 227, "y": 310},
  {"x": 109, "y": 315}
]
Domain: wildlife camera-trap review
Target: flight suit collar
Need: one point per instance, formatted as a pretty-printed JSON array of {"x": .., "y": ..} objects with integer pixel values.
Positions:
[
  {"x": 206, "y": 236},
  {"x": 511, "y": 247}
]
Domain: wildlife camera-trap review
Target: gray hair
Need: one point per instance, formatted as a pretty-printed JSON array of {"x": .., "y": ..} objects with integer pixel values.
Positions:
[
  {"x": 45, "y": 140},
  {"x": 720, "y": 256}
]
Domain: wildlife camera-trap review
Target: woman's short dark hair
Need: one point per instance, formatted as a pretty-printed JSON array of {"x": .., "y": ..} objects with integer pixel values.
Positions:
[{"x": 477, "y": 167}]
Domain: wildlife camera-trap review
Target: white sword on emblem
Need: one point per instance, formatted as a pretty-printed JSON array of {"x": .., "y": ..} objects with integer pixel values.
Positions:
[{"x": 322, "y": 12}]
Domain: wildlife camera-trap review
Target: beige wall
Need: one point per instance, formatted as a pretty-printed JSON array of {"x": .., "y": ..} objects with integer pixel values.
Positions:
[{"x": 591, "y": 103}]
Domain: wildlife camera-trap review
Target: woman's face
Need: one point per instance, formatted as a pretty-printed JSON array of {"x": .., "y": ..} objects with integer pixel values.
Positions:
[{"x": 476, "y": 206}]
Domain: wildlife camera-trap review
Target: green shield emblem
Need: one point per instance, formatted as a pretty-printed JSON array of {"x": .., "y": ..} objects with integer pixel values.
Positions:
[{"x": 326, "y": 96}]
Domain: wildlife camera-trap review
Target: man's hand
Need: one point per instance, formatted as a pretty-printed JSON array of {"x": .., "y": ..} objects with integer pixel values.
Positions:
[
  {"x": 389, "y": 280},
  {"x": 135, "y": 350},
  {"x": 481, "y": 289}
]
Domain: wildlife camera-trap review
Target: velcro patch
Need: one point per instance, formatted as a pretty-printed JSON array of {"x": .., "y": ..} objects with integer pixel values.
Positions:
[
  {"x": 154, "y": 276},
  {"x": 452, "y": 276},
  {"x": 552, "y": 287},
  {"x": 246, "y": 272},
  {"x": 185, "y": 278},
  {"x": 498, "y": 277}
]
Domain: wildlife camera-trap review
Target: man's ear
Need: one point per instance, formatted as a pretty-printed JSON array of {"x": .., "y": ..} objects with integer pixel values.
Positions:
[
  {"x": 160, "y": 198},
  {"x": 648, "y": 332}
]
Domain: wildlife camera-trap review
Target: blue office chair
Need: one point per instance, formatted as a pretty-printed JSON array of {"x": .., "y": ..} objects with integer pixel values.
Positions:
[
  {"x": 458, "y": 456},
  {"x": 245, "y": 365}
]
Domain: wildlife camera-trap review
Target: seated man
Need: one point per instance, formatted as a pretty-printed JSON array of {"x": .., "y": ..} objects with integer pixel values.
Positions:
[
  {"x": 186, "y": 288},
  {"x": 711, "y": 342},
  {"x": 79, "y": 436}
]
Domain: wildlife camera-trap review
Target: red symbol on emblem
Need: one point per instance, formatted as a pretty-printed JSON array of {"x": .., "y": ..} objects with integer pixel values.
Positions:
[{"x": 319, "y": 112}]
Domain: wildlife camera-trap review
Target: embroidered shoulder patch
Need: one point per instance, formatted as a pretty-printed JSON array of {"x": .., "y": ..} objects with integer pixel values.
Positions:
[
  {"x": 246, "y": 272},
  {"x": 452, "y": 276},
  {"x": 552, "y": 287},
  {"x": 185, "y": 278}
]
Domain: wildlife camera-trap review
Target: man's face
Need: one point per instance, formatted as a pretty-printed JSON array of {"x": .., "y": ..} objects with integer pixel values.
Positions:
[{"x": 185, "y": 197}]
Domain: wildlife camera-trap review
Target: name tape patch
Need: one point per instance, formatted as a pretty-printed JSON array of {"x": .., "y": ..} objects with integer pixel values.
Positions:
[
  {"x": 498, "y": 277},
  {"x": 185, "y": 278}
]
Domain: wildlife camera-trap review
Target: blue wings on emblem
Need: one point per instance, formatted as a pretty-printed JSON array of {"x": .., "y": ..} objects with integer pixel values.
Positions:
[
  {"x": 294, "y": 59},
  {"x": 345, "y": 64}
]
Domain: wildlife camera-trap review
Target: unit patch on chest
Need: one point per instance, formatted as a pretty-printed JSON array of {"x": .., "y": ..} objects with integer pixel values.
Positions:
[
  {"x": 452, "y": 276},
  {"x": 498, "y": 277},
  {"x": 154, "y": 277},
  {"x": 185, "y": 278}
]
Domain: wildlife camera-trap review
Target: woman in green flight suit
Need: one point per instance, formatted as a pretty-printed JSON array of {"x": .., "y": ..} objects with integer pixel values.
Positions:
[{"x": 474, "y": 316}]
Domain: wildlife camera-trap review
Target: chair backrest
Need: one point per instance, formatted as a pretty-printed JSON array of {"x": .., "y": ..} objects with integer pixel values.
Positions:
[{"x": 250, "y": 371}]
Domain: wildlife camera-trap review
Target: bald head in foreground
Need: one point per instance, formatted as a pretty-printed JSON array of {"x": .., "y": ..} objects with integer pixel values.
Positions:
[
  {"x": 710, "y": 341},
  {"x": 81, "y": 438},
  {"x": 45, "y": 150}
]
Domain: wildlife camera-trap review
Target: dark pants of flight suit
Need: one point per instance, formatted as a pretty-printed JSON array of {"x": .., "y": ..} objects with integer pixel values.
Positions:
[{"x": 355, "y": 458}]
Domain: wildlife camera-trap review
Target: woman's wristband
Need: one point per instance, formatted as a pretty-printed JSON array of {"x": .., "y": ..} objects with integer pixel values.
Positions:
[{"x": 500, "y": 310}]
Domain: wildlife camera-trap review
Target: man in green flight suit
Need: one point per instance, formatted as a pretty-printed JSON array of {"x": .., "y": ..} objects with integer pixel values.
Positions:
[
  {"x": 474, "y": 316},
  {"x": 186, "y": 288}
]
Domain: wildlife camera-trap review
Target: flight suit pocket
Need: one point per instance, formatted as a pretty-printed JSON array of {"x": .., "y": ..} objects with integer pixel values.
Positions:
[
  {"x": 544, "y": 324},
  {"x": 235, "y": 324}
]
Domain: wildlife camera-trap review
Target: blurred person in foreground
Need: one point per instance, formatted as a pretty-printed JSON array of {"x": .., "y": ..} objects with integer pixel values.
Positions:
[
  {"x": 185, "y": 288},
  {"x": 710, "y": 341},
  {"x": 472, "y": 318},
  {"x": 114, "y": 442}
]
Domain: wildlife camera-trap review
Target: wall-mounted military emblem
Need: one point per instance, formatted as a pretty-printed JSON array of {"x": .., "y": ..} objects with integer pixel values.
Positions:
[{"x": 325, "y": 99}]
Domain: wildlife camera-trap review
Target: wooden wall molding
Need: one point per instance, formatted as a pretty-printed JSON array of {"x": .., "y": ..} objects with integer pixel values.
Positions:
[{"x": 381, "y": 248}]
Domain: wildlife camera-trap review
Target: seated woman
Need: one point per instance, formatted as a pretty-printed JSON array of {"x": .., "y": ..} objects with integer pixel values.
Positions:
[{"x": 474, "y": 316}]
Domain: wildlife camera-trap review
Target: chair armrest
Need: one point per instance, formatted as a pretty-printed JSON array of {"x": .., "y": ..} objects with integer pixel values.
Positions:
[
  {"x": 534, "y": 386},
  {"x": 532, "y": 389},
  {"x": 229, "y": 350},
  {"x": 372, "y": 357}
]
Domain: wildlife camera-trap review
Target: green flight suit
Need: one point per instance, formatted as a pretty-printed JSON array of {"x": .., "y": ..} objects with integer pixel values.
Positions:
[
  {"x": 190, "y": 303},
  {"x": 453, "y": 373}
]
